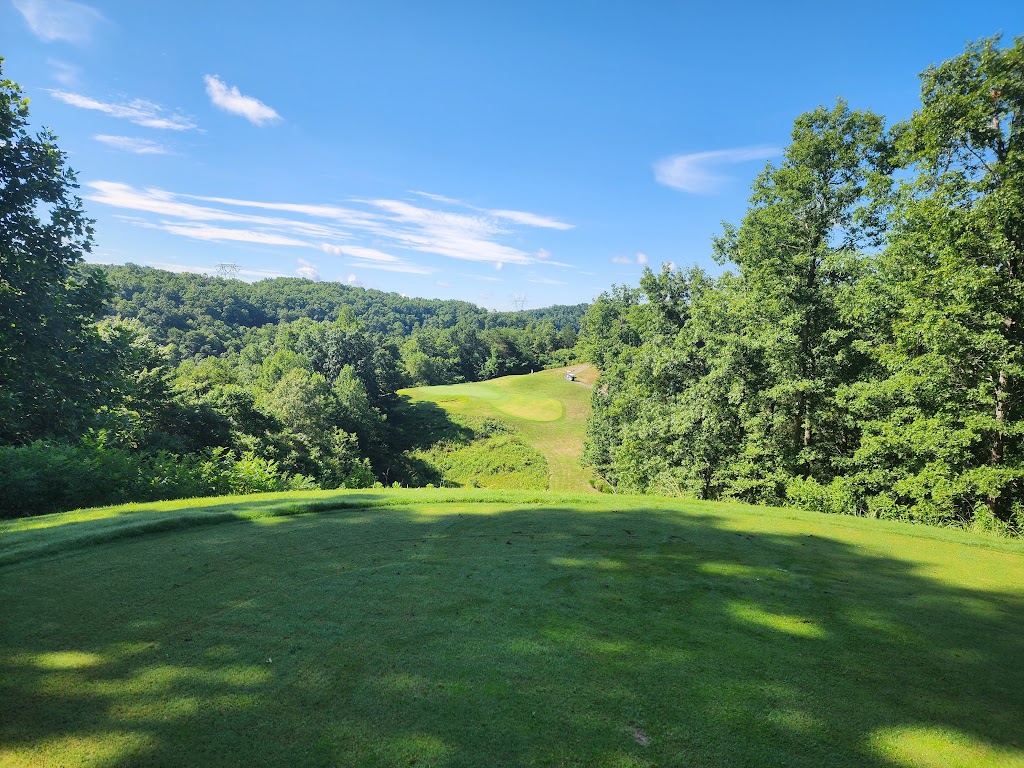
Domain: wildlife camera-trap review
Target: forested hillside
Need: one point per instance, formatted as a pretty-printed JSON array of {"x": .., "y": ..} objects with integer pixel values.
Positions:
[
  {"x": 863, "y": 352},
  {"x": 201, "y": 316},
  {"x": 209, "y": 385}
]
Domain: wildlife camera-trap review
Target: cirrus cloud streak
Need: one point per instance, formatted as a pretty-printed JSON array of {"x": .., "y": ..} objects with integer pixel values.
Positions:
[
  {"x": 138, "y": 111},
  {"x": 132, "y": 144},
  {"x": 52, "y": 20},
  {"x": 367, "y": 233},
  {"x": 697, "y": 172}
]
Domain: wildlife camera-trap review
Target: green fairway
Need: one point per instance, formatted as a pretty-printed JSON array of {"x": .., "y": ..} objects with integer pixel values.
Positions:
[
  {"x": 549, "y": 412},
  {"x": 480, "y": 628}
]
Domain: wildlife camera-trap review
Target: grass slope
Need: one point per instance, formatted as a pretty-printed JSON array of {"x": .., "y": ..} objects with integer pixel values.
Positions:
[
  {"x": 478, "y": 628},
  {"x": 549, "y": 412},
  {"x": 502, "y": 461}
]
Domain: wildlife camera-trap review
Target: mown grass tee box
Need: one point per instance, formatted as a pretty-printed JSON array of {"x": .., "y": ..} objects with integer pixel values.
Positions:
[{"x": 454, "y": 627}]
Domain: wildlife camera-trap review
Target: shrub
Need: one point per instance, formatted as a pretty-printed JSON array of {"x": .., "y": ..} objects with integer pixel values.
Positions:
[
  {"x": 836, "y": 498},
  {"x": 51, "y": 476},
  {"x": 253, "y": 474}
]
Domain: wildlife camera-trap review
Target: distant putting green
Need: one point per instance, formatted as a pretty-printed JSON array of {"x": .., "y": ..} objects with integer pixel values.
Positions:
[
  {"x": 548, "y": 411},
  {"x": 480, "y": 628}
]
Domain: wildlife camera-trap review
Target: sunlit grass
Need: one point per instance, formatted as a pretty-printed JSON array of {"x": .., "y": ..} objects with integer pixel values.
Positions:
[
  {"x": 456, "y": 627},
  {"x": 937, "y": 747}
]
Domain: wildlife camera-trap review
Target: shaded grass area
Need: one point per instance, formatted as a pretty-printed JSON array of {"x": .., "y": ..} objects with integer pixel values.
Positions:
[
  {"x": 58, "y": 533},
  {"x": 459, "y": 628},
  {"x": 491, "y": 461},
  {"x": 549, "y": 412},
  {"x": 458, "y": 450}
]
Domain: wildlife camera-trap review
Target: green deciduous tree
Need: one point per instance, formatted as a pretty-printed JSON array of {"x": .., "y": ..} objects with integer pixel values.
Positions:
[
  {"x": 51, "y": 368},
  {"x": 943, "y": 427},
  {"x": 729, "y": 387},
  {"x": 795, "y": 251}
]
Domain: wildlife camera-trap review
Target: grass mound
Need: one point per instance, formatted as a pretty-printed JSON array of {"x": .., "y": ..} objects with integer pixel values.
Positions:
[
  {"x": 548, "y": 412},
  {"x": 453, "y": 627}
]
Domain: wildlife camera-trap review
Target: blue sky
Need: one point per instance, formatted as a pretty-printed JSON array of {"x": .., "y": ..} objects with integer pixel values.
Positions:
[{"x": 481, "y": 151}]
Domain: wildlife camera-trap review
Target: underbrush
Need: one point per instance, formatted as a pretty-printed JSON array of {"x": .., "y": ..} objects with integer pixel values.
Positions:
[
  {"x": 935, "y": 504},
  {"x": 483, "y": 453},
  {"x": 51, "y": 476}
]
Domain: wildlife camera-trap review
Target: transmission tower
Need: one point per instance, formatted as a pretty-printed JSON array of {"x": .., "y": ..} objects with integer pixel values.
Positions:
[
  {"x": 519, "y": 301},
  {"x": 227, "y": 269}
]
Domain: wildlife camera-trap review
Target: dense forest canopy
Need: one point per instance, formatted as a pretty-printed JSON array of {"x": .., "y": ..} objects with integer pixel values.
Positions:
[{"x": 203, "y": 316}]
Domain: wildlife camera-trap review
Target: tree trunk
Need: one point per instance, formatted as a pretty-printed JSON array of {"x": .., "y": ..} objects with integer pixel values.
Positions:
[
  {"x": 803, "y": 424},
  {"x": 995, "y": 505},
  {"x": 997, "y": 444}
]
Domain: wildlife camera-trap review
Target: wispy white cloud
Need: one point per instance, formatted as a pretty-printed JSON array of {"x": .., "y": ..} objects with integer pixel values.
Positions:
[
  {"x": 160, "y": 202},
  {"x": 440, "y": 198},
  {"x": 359, "y": 252},
  {"x": 456, "y": 235},
  {"x": 531, "y": 219},
  {"x": 519, "y": 217},
  {"x": 64, "y": 73},
  {"x": 379, "y": 234},
  {"x": 307, "y": 269},
  {"x": 404, "y": 267},
  {"x": 230, "y": 99},
  {"x": 52, "y": 20},
  {"x": 133, "y": 144},
  {"x": 543, "y": 254},
  {"x": 442, "y": 284},
  {"x": 696, "y": 172},
  {"x": 371, "y": 258},
  {"x": 171, "y": 205},
  {"x": 346, "y": 216},
  {"x": 221, "y": 234},
  {"x": 640, "y": 258},
  {"x": 137, "y": 111},
  {"x": 547, "y": 281}
]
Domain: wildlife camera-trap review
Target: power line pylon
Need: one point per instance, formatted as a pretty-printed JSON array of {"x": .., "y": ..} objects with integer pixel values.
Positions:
[{"x": 227, "y": 270}]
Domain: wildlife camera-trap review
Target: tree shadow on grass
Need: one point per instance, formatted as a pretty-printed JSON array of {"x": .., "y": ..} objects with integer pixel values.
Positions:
[
  {"x": 528, "y": 637},
  {"x": 418, "y": 425}
]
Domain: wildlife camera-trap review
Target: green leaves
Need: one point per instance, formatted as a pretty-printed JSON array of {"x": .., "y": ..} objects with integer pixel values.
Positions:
[
  {"x": 51, "y": 373},
  {"x": 952, "y": 347},
  {"x": 867, "y": 356}
]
